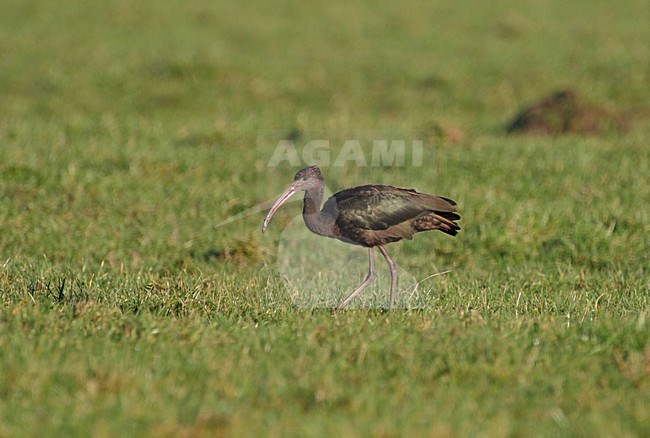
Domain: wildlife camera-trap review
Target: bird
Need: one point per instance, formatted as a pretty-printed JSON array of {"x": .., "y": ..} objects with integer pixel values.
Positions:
[{"x": 370, "y": 216}]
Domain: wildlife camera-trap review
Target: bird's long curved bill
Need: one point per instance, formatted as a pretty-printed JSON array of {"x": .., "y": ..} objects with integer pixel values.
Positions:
[{"x": 292, "y": 189}]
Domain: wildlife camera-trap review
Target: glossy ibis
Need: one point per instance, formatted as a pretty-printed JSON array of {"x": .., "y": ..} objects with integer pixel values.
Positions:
[{"x": 370, "y": 216}]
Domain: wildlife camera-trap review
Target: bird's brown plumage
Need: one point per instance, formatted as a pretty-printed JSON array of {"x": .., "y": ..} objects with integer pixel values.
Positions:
[{"x": 373, "y": 215}]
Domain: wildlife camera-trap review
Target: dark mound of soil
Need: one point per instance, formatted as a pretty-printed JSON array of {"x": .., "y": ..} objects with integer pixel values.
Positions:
[{"x": 565, "y": 112}]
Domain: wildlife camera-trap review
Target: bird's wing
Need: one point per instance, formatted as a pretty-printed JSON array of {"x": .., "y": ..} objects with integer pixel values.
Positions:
[{"x": 377, "y": 207}]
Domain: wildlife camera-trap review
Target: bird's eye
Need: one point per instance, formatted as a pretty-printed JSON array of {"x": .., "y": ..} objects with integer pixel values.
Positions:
[{"x": 304, "y": 178}]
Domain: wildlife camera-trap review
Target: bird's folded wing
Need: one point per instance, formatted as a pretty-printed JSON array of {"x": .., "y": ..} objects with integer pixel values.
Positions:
[{"x": 381, "y": 207}]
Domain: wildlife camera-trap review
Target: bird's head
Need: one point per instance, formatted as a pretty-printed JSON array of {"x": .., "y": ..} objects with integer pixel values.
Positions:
[{"x": 306, "y": 179}]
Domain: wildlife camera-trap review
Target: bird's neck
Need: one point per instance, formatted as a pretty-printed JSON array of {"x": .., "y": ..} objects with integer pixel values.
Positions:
[
  {"x": 313, "y": 201},
  {"x": 316, "y": 221}
]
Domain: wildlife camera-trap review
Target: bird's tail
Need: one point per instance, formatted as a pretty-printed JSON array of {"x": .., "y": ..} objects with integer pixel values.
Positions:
[{"x": 438, "y": 220}]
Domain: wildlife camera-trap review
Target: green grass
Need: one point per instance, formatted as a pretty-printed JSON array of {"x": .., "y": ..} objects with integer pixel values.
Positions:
[{"x": 130, "y": 131}]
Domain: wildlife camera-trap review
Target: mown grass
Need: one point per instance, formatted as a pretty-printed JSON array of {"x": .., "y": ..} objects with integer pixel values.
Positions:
[{"x": 130, "y": 132}]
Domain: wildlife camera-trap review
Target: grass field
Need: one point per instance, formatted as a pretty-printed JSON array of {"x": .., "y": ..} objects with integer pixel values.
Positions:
[{"x": 130, "y": 131}]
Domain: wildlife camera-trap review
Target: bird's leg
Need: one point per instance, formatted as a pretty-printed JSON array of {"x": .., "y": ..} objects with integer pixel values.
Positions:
[
  {"x": 393, "y": 276},
  {"x": 372, "y": 273}
]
